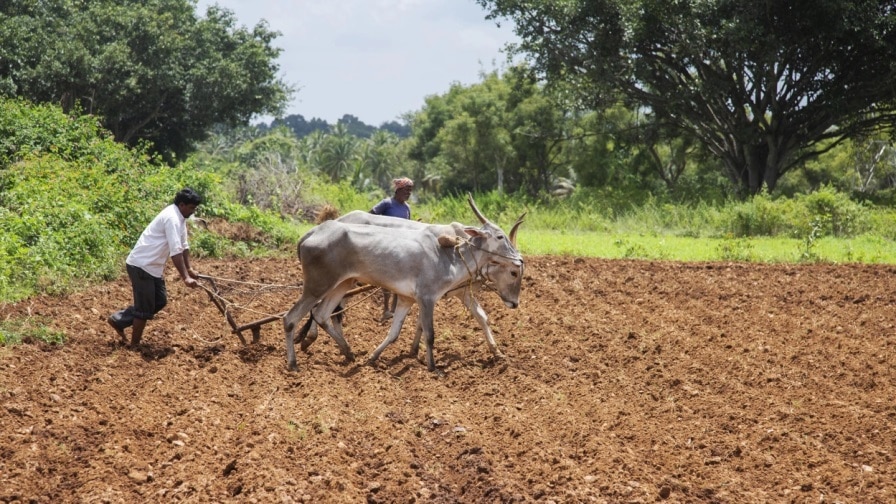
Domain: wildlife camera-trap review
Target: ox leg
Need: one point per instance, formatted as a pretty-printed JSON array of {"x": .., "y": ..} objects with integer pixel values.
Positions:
[
  {"x": 426, "y": 320},
  {"x": 333, "y": 325},
  {"x": 307, "y": 334},
  {"x": 418, "y": 331},
  {"x": 401, "y": 311},
  {"x": 479, "y": 314},
  {"x": 309, "y": 331},
  {"x": 293, "y": 316}
]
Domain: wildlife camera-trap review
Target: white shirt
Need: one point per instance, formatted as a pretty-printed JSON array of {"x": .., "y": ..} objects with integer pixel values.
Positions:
[{"x": 164, "y": 237}]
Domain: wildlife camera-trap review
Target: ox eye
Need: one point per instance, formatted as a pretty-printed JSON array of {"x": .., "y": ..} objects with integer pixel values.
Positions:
[{"x": 514, "y": 274}]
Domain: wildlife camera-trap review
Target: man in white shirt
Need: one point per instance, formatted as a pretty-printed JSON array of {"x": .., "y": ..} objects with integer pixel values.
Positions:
[{"x": 164, "y": 237}]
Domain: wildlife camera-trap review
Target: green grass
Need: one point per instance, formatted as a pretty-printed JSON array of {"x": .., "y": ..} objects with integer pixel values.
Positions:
[
  {"x": 14, "y": 331},
  {"x": 616, "y": 245},
  {"x": 861, "y": 249}
]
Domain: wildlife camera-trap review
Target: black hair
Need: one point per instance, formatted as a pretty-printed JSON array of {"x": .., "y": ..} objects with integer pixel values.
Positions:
[{"x": 187, "y": 196}]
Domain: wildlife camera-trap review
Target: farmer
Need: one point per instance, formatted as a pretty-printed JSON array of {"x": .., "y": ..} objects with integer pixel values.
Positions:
[
  {"x": 396, "y": 206},
  {"x": 165, "y": 236}
]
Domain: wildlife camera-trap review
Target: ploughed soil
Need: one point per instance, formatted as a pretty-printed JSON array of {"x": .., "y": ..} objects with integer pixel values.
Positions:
[{"x": 623, "y": 381}]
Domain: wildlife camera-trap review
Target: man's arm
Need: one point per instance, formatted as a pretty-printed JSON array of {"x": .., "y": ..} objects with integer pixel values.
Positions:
[{"x": 182, "y": 263}]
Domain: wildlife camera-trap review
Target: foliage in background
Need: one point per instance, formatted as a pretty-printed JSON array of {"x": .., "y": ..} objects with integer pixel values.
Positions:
[
  {"x": 72, "y": 200},
  {"x": 832, "y": 212},
  {"x": 764, "y": 86},
  {"x": 825, "y": 212},
  {"x": 511, "y": 134},
  {"x": 150, "y": 70}
]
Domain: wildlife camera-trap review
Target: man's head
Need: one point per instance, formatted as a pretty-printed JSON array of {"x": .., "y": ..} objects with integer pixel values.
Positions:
[
  {"x": 186, "y": 201},
  {"x": 403, "y": 187}
]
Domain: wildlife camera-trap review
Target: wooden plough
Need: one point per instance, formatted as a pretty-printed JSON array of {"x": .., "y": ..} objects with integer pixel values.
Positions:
[{"x": 223, "y": 306}]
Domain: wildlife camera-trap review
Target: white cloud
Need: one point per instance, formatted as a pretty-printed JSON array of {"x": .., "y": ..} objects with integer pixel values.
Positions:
[{"x": 374, "y": 59}]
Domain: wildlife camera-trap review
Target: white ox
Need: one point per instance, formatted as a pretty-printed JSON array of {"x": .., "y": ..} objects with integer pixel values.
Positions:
[
  {"x": 465, "y": 293},
  {"x": 410, "y": 263}
]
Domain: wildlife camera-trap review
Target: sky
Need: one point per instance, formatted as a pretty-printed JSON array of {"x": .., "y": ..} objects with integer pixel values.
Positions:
[{"x": 374, "y": 59}]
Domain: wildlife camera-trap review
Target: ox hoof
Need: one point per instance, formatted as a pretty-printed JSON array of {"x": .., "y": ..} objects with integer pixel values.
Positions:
[
  {"x": 292, "y": 367},
  {"x": 373, "y": 359},
  {"x": 307, "y": 341}
]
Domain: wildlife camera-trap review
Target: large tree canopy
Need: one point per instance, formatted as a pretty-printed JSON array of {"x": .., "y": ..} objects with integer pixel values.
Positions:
[
  {"x": 502, "y": 133},
  {"x": 150, "y": 69},
  {"x": 763, "y": 84}
]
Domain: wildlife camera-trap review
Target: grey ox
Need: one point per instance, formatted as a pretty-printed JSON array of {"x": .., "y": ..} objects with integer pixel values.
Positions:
[
  {"x": 465, "y": 293},
  {"x": 409, "y": 262}
]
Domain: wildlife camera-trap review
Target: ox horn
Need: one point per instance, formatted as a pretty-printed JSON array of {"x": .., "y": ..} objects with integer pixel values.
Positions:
[
  {"x": 516, "y": 225},
  {"x": 476, "y": 211}
]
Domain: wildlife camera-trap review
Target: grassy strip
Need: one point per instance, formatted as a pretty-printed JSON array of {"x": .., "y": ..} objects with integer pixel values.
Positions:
[
  {"x": 865, "y": 248},
  {"x": 862, "y": 249}
]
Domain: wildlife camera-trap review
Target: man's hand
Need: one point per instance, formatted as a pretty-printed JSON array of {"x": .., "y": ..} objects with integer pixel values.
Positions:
[
  {"x": 193, "y": 274},
  {"x": 191, "y": 282}
]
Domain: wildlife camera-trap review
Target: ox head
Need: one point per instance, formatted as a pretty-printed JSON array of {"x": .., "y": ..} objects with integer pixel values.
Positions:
[{"x": 504, "y": 263}]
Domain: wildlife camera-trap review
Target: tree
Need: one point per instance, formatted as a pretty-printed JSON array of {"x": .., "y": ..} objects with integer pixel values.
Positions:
[
  {"x": 356, "y": 127},
  {"x": 299, "y": 126},
  {"x": 540, "y": 135},
  {"x": 397, "y": 128},
  {"x": 383, "y": 158},
  {"x": 338, "y": 154},
  {"x": 763, "y": 85},
  {"x": 150, "y": 69},
  {"x": 665, "y": 153}
]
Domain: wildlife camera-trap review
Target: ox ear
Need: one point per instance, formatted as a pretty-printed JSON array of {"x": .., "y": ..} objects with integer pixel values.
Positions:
[
  {"x": 472, "y": 232},
  {"x": 476, "y": 211},
  {"x": 516, "y": 225}
]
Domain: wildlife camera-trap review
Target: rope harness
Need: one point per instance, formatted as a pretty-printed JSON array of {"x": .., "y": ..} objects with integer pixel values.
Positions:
[
  {"x": 481, "y": 275},
  {"x": 253, "y": 293}
]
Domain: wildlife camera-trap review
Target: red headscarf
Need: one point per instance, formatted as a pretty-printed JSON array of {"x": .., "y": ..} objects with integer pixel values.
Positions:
[{"x": 402, "y": 182}]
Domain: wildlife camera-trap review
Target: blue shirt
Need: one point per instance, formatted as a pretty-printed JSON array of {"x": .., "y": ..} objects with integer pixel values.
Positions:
[{"x": 391, "y": 207}]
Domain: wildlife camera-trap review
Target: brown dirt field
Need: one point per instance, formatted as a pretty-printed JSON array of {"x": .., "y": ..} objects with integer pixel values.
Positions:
[{"x": 624, "y": 381}]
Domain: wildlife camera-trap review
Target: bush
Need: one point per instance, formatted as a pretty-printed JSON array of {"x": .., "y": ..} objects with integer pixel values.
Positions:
[
  {"x": 73, "y": 201},
  {"x": 833, "y": 213},
  {"x": 825, "y": 212},
  {"x": 760, "y": 216}
]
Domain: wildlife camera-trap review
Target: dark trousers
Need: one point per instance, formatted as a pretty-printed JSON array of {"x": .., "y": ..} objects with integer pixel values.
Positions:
[{"x": 150, "y": 297}]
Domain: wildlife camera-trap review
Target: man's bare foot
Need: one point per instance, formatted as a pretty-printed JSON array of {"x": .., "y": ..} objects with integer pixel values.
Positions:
[{"x": 119, "y": 331}]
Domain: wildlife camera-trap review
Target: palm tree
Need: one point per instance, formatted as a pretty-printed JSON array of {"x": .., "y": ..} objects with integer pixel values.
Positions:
[
  {"x": 338, "y": 152},
  {"x": 381, "y": 157}
]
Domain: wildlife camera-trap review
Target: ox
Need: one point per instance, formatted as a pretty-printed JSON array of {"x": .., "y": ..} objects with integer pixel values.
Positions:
[
  {"x": 408, "y": 262},
  {"x": 465, "y": 293}
]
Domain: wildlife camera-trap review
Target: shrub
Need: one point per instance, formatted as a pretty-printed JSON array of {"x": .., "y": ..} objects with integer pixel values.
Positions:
[
  {"x": 833, "y": 213},
  {"x": 760, "y": 216},
  {"x": 73, "y": 201}
]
